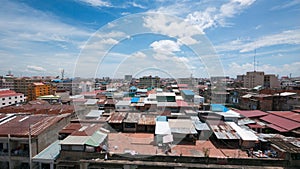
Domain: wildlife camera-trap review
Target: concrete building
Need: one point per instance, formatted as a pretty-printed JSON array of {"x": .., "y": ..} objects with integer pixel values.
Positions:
[
  {"x": 8, "y": 82},
  {"x": 128, "y": 78},
  {"x": 21, "y": 84},
  {"x": 24, "y": 136},
  {"x": 271, "y": 81},
  {"x": 40, "y": 89},
  {"x": 253, "y": 79},
  {"x": 149, "y": 81},
  {"x": 10, "y": 97}
]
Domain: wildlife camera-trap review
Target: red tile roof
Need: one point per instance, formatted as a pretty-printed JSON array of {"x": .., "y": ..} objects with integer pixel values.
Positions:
[
  {"x": 281, "y": 122},
  {"x": 251, "y": 113},
  {"x": 287, "y": 114}
]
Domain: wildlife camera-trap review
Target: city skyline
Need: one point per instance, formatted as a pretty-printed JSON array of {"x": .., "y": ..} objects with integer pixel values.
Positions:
[{"x": 41, "y": 38}]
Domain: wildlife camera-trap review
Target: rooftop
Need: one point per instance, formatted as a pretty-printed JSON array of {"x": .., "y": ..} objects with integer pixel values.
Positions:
[
  {"x": 117, "y": 117},
  {"x": 18, "y": 125},
  {"x": 48, "y": 154},
  {"x": 188, "y": 92},
  {"x": 279, "y": 123},
  {"x": 287, "y": 114},
  {"x": 251, "y": 113},
  {"x": 132, "y": 118}
]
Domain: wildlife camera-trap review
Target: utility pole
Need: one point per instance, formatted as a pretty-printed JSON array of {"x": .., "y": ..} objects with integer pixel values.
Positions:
[
  {"x": 9, "y": 152},
  {"x": 30, "y": 148}
]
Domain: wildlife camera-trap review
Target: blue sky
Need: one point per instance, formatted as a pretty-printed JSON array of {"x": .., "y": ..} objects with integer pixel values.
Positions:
[{"x": 169, "y": 38}]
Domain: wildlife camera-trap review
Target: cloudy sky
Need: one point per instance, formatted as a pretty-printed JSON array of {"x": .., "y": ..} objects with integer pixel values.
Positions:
[{"x": 173, "y": 38}]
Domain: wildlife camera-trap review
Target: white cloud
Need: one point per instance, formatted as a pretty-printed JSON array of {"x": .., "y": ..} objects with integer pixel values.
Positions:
[
  {"x": 173, "y": 27},
  {"x": 35, "y": 68},
  {"x": 217, "y": 16},
  {"x": 139, "y": 55},
  {"x": 291, "y": 37},
  {"x": 134, "y": 4},
  {"x": 165, "y": 46},
  {"x": 286, "y": 5},
  {"x": 97, "y": 3},
  {"x": 285, "y": 37},
  {"x": 204, "y": 19},
  {"x": 21, "y": 25},
  {"x": 164, "y": 49}
]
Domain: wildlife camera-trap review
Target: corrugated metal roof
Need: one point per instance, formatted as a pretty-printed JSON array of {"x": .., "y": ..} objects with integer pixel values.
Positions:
[
  {"x": 96, "y": 139},
  {"x": 94, "y": 113},
  {"x": 123, "y": 103},
  {"x": 188, "y": 92},
  {"x": 252, "y": 113},
  {"x": 132, "y": 118},
  {"x": 117, "y": 117},
  {"x": 223, "y": 131},
  {"x": 18, "y": 125},
  {"x": 284, "y": 94},
  {"x": 49, "y": 153},
  {"x": 243, "y": 133},
  {"x": 146, "y": 120},
  {"x": 277, "y": 128},
  {"x": 287, "y": 114},
  {"x": 201, "y": 126},
  {"x": 167, "y": 104},
  {"x": 182, "y": 126},
  {"x": 281, "y": 122},
  {"x": 162, "y": 128},
  {"x": 91, "y": 102},
  {"x": 74, "y": 140}
]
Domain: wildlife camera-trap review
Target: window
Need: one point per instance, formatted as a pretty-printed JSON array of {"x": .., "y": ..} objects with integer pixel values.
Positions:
[
  {"x": 3, "y": 98},
  {"x": 9, "y": 103},
  {"x": 9, "y": 98},
  {"x": 3, "y": 103},
  {"x": 16, "y": 97}
]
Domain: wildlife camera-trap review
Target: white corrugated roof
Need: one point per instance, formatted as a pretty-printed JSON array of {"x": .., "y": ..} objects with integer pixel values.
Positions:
[
  {"x": 243, "y": 133},
  {"x": 162, "y": 128},
  {"x": 285, "y": 94}
]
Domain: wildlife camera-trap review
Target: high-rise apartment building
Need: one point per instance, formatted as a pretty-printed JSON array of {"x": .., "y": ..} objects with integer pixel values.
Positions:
[
  {"x": 253, "y": 79},
  {"x": 39, "y": 89},
  {"x": 149, "y": 81}
]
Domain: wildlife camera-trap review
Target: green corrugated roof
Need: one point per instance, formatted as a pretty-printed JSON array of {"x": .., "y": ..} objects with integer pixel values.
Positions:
[{"x": 96, "y": 139}]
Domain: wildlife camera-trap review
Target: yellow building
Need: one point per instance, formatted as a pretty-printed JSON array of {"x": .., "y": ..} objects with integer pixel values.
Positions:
[{"x": 36, "y": 90}]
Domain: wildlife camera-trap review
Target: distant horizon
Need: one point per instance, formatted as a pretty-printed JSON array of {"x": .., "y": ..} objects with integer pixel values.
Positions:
[
  {"x": 109, "y": 38},
  {"x": 66, "y": 77}
]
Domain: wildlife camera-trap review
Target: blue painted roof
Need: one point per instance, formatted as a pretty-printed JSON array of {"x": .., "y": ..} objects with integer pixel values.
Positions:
[
  {"x": 161, "y": 118},
  {"x": 56, "y": 80},
  {"x": 188, "y": 92},
  {"x": 135, "y": 99},
  {"x": 218, "y": 108}
]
